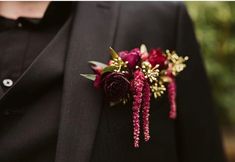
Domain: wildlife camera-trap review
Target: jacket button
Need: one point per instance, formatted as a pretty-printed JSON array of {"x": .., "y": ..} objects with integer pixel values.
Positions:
[
  {"x": 7, "y": 82},
  {"x": 19, "y": 25}
]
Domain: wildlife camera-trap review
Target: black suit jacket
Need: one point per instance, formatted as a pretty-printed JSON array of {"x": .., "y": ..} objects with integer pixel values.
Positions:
[{"x": 89, "y": 131}]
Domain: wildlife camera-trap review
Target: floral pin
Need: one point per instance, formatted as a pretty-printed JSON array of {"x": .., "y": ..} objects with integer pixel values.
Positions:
[{"x": 136, "y": 75}]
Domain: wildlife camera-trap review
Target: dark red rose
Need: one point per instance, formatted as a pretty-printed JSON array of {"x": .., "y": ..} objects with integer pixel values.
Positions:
[
  {"x": 157, "y": 57},
  {"x": 131, "y": 57},
  {"x": 116, "y": 86}
]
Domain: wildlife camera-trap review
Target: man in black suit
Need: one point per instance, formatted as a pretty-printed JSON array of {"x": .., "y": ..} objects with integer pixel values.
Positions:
[{"x": 49, "y": 113}]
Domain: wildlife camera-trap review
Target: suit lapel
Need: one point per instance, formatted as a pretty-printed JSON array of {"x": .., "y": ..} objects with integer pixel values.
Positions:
[{"x": 93, "y": 32}]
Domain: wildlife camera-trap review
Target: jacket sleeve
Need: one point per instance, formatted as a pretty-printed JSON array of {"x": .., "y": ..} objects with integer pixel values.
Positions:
[{"x": 197, "y": 133}]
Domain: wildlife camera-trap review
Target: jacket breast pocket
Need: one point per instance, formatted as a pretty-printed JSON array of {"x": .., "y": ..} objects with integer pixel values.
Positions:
[
  {"x": 120, "y": 116},
  {"x": 119, "y": 135}
]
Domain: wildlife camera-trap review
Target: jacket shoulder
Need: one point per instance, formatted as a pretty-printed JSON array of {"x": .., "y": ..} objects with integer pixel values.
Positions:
[
  {"x": 154, "y": 23},
  {"x": 138, "y": 9}
]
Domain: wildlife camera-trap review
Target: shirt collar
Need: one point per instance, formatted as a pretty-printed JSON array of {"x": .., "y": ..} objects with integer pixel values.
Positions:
[{"x": 56, "y": 14}]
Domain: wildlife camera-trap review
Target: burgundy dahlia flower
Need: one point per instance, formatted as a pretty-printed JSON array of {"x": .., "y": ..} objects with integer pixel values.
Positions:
[{"x": 116, "y": 86}]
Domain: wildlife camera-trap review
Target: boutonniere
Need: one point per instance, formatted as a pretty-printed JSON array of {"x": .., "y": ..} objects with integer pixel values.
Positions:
[{"x": 136, "y": 75}]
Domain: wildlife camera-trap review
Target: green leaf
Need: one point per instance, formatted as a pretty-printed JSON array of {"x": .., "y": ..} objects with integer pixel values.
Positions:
[
  {"x": 99, "y": 64},
  {"x": 109, "y": 69},
  {"x": 89, "y": 76},
  {"x": 114, "y": 54}
]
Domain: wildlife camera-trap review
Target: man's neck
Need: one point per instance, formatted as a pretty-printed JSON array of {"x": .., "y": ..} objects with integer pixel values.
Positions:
[{"x": 14, "y": 10}]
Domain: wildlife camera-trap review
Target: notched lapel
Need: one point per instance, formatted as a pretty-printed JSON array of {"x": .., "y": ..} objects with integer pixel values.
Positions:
[{"x": 92, "y": 34}]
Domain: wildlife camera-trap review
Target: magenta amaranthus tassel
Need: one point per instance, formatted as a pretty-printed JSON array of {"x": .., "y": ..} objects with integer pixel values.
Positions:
[
  {"x": 137, "y": 88},
  {"x": 172, "y": 98},
  {"x": 146, "y": 108}
]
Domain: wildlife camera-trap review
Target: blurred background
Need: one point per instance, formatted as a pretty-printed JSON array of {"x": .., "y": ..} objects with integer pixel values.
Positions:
[{"x": 215, "y": 29}]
